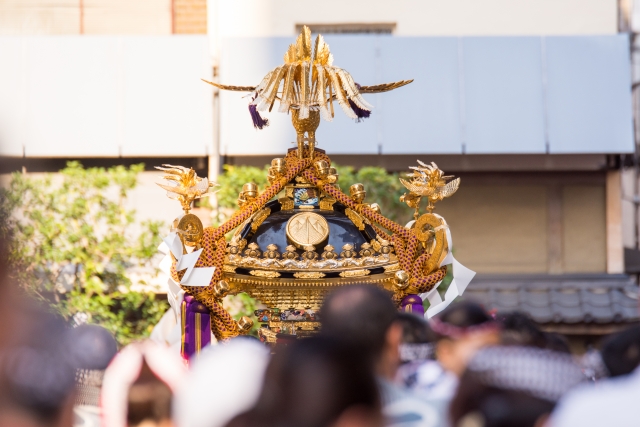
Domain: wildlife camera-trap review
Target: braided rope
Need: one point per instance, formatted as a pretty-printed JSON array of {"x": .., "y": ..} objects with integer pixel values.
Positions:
[
  {"x": 424, "y": 284},
  {"x": 214, "y": 245}
]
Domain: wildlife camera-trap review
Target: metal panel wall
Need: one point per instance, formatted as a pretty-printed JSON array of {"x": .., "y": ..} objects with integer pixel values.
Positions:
[
  {"x": 483, "y": 95},
  {"x": 245, "y": 62},
  {"x": 589, "y": 94},
  {"x": 168, "y": 110},
  {"x": 503, "y": 102},
  {"x": 423, "y": 117}
]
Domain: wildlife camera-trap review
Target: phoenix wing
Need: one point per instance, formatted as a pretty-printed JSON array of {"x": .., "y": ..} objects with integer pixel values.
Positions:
[
  {"x": 232, "y": 88},
  {"x": 450, "y": 188},
  {"x": 384, "y": 87}
]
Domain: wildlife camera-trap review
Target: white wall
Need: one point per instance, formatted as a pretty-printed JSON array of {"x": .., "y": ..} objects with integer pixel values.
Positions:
[
  {"x": 268, "y": 18},
  {"x": 105, "y": 96}
]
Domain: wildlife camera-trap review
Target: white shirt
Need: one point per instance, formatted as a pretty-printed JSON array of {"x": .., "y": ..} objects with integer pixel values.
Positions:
[{"x": 613, "y": 402}]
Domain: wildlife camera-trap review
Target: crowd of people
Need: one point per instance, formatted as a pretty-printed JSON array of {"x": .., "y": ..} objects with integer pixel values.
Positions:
[{"x": 369, "y": 366}]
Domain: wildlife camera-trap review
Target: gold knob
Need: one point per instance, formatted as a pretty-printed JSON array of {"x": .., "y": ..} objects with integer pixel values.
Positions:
[
  {"x": 221, "y": 289},
  {"x": 357, "y": 192},
  {"x": 278, "y": 165},
  {"x": 322, "y": 166},
  {"x": 245, "y": 324},
  {"x": 401, "y": 279},
  {"x": 250, "y": 190}
]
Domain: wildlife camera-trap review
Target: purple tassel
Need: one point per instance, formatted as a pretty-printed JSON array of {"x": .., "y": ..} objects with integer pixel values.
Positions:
[
  {"x": 412, "y": 303},
  {"x": 196, "y": 333},
  {"x": 258, "y": 121},
  {"x": 360, "y": 112}
]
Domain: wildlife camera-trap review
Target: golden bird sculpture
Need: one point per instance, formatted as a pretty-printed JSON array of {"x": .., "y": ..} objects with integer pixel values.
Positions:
[
  {"x": 427, "y": 181},
  {"x": 185, "y": 185},
  {"x": 306, "y": 85}
]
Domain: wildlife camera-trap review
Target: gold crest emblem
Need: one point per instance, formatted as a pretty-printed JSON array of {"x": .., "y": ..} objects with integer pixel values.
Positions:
[{"x": 307, "y": 228}]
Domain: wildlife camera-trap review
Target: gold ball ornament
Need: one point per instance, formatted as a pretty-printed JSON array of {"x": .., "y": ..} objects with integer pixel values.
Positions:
[
  {"x": 245, "y": 324},
  {"x": 401, "y": 280},
  {"x": 221, "y": 289}
]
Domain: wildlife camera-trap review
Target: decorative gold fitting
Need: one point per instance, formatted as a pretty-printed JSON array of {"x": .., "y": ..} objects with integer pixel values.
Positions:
[
  {"x": 245, "y": 324},
  {"x": 250, "y": 190},
  {"x": 221, "y": 289},
  {"x": 279, "y": 165},
  {"x": 357, "y": 192},
  {"x": 375, "y": 207},
  {"x": 332, "y": 176},
  {"x": 401, "y": 280},
  {"x": 322, "y": 167}
]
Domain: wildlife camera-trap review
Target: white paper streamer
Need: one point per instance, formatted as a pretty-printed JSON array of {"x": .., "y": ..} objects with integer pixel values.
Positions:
[
  {"x": 193, "y": 276},
  {"x": 461, "y": 278}
]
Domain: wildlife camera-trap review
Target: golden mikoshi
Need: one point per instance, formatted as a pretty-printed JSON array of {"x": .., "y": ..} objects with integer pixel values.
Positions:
[{"x": 302, "y": 236}]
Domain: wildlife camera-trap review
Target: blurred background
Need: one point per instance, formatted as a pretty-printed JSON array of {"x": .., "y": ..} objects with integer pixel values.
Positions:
[{"x": 533, "y": 103}]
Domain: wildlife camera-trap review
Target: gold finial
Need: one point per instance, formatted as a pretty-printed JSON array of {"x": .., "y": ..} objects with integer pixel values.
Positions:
[
  {"x": 430, "y": 182},
  {"x": 307, "y": 84},
  {"x": 186, "y": 187}
]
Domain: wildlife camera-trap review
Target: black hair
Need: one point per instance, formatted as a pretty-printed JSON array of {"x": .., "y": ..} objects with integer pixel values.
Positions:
[
  {"x": 415, "y": 330},
  {"x": 556, "y": 342},
  {"x": 464, "y": 314},
  {"x": 519, "y": 329},
  {"x": 621, "y": 351},
  {"x": 495, "y": 407},
  {"x": 359, "y": 315},
  {"x": 93, "y": 347},
  {"x": 37, "y": 371},
  {"x": 311, "y": 383}
]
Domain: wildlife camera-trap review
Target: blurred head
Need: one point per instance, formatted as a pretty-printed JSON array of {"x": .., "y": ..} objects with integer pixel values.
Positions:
[
  {"x": 315, "y": 382},
  {"x": 139, "y": 384},
  {"x": 93, "y": 349},
  {"x": 512, "y": 387},
  {"x": 364, "y": 317},
  {"x": 519, "y": 329},
  {"x": 37, "y": 369},
  {"x": 417, "y": 341},
  {"x": 463, "y": 329},
  {"x": 237, "y": 370},
  {"x": 621, "y": 351}
]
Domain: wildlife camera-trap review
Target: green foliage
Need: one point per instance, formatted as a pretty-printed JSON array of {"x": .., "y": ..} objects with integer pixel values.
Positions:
[{"x": 74, "y": 245}]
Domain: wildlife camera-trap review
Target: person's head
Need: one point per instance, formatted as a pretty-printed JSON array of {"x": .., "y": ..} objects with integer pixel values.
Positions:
[
  {"x": 417, "y": 338},
  {"x": 364, "y": 317},
  {"x": 93, "y": 348},
  {"x": 518, "y": 329},
  {"x": 512, "y": 386},
  {"x": 315, "y": 382},
  {"x": 621, "y": 351},
  {"x": 463, "y": 329},
  {"x": 556, "y": 342},
  {"x": 36, "y": 370}
]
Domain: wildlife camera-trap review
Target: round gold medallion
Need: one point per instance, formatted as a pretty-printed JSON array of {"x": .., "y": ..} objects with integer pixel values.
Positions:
[
  {"x": 307, "y": 228},
  {"x": 190, "y": 229}
]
